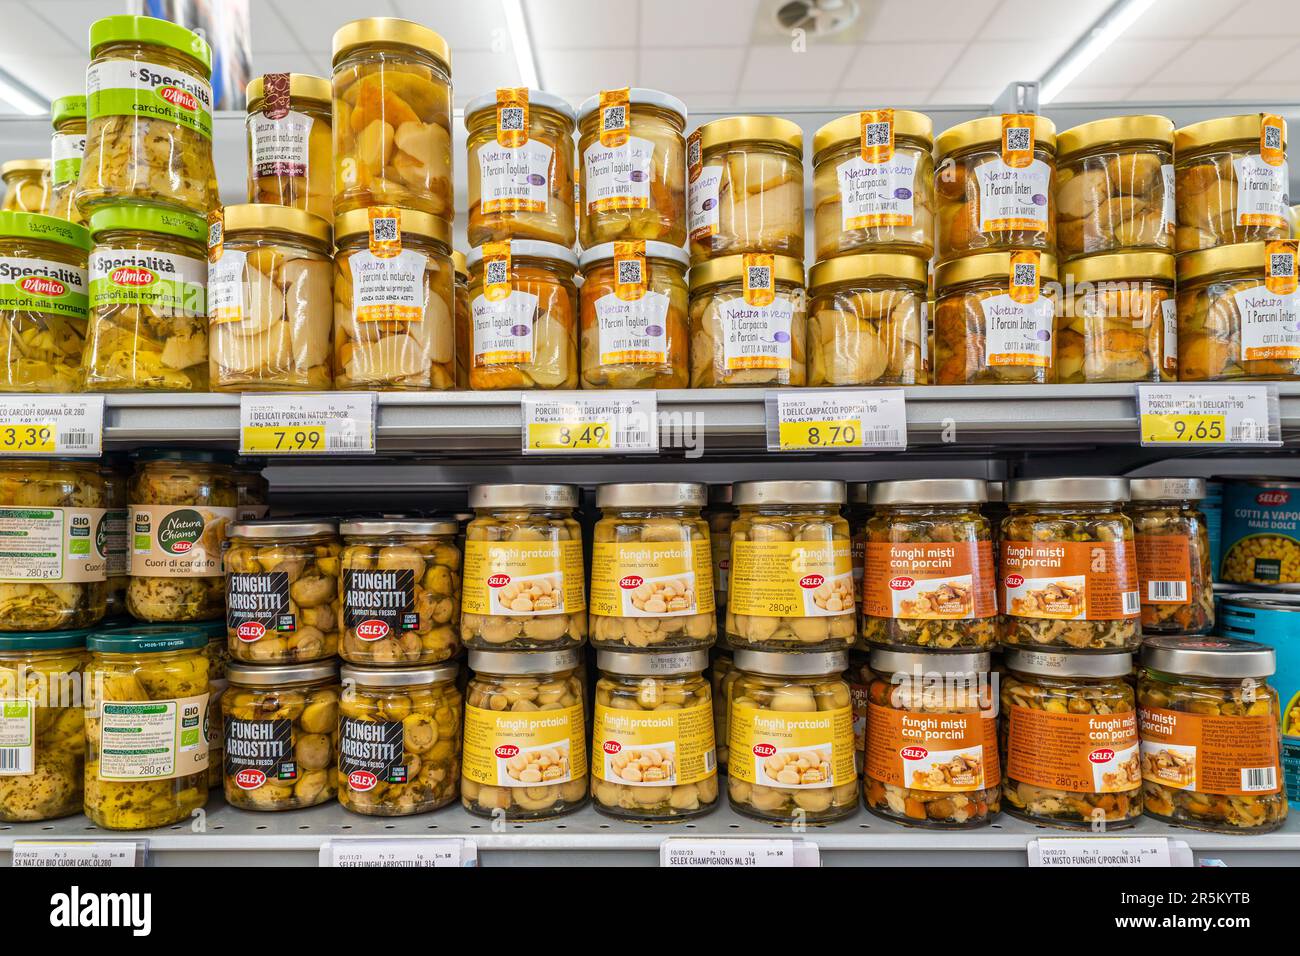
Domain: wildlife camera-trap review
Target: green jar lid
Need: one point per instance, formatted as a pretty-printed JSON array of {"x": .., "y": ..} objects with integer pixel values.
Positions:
[
  {"x": 30, "y": 225},
  {"x": 140, "y": 218},
  {"x": 137, "y": 638},
  {"x": 211, "y": 456},
  {"x": 127, "y": 28},
  {"x": 45, "y": 640},
  {"x": 66, "y": 108}
]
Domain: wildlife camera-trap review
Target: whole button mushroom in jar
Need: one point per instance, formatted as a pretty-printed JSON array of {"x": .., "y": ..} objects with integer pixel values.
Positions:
[
  {"x": 290, "y": 143},
  {"x": 27, "y": 186},
  {"x": 1173, "y": 555},
  {"x": 67, "y": 147}
]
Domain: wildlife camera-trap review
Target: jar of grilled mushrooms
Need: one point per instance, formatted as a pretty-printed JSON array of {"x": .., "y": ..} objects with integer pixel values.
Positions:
[
  {"x": 1209, "y": 730},
  {"x": 929, "y": 580},
  {"x": 524, "y": 581},
  {"x": 1069, "y": 566},
  {"x": 290, "y": 142},
  {"x": 1175, "y": 579},
  {"x": 67, "y": 147},
  {"x": 115, "y": 469},
  {"x": 525, "y": 735},
  {"x": 791, "y": 738},
  {"x": 720, "y": 514},
  {"x": 460, "y": 318},
  {"x": 1071, "y": 739},
  {"x": 791, "y": 583},
  {"x": 27, "y": 186},
  {"x": 652, "y": 752},
  {"x": 651, "y": 568},
  {"x": 399, "y": 739}
]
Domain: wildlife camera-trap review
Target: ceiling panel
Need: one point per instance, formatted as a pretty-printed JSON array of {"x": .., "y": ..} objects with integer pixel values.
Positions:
[
  {"x": 890, "y": 21},
  {"x": 1183, "y": 18},
  {"x": 473, "y": 25},
  {"x": 478, "y": 71},
  {"x": 26, "y": 31},
  {"x": 1046, "y": 23},
  {"x": 1223, "y": 60},
  {"x": 686, "y": 23},
  {"x": 901, "y": 66},
  {"x": 582, "y": 25},
  {"x": 1093, "y": 94},
  {"x": 991, "y": 64},
  {"x": 880, "y": 99},
  {"x": 704, "y": 68},
  {"x": 780, "y": 69},
  {"x": 576, "y": 71}
]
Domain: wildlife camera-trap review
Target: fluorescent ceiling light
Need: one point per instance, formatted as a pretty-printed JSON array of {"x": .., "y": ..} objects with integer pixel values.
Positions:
[
  {"x": 1099, "y": 37},
  {"x": 522, "y": 41},
  {"x": 21, "y": 97}
]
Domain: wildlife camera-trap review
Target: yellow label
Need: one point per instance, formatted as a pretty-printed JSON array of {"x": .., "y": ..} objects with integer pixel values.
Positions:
[
  {"x": 758, "y": 278},
  {"x": 1280, "y": 266},
  {"x": 791, "y": 578},
  {"x": 512, "y": 117},
  {"x": 1272, "y": 139},
  {"x": 523, "y": 578},
  {"x": 629, "y": 270},
  {"x": 614, "y": 117},
  {"x": 524, "y": 748},
  {"x": 694, "y": 155},
  {"x": 385, "y": 231},
  {"x": 653, "y": 748},
  {"x": 1185, "y": 429},
  {"x": 877, "y": 137},
  {"x": 651, "y": 579},
  {"x": 791, "y": 750},
  {"x": 496, "y": 270},
  {"x": 268, "y": 438},
  {"x": 570, "y": 436},
  {"x": 1017, "y": 139},
  {"x": 837, "y": 433},
  {"x": 1024, "y": 277},
  {"x": 27, "y": 438}
]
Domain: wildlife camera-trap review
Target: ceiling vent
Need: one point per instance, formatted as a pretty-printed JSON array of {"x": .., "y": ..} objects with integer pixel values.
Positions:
[{"x": 817, "y": 18}]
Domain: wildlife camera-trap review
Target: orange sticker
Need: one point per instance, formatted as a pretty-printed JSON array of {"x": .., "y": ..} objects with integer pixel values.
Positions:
[
  {"x": 1017, "y": 139},
  {"x": 927, "y": 581},
  {"x": 216, "y": 233},
  {"x": 1024, "y": 277},
  {"x": 1078, "y": 753},
  {"x": 512, "y": 116},
  {"x": 629, "y": 270},
  {"x": 385, "y": 231},
  {"x": 1280, "y": 274},
  {"x": 758, "y": 278},
  {"x": 1272, "y": 139},
  {"x": 1230, "y": 756},
  {"x": 694, "y": 156},
  {"x": 877, "y": 136},
  {"x": 1164, "y": 568},
  {"x": 496, "y": 270},
  {"x": 614, "y": 117},
  {"x": 1070, "y": 580},
  {"x": 945, "y": 753}
]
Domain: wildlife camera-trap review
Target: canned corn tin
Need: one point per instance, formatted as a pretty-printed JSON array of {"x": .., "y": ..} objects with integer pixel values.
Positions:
[{"x": 1261, "y": 532}]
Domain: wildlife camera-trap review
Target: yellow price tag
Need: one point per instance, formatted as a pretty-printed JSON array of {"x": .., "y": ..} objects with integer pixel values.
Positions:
[
  {"x": 303, "y": 439},
  {"x": 569, "y": 436},
  {"x": 843, "y": 433},
  {"x": 32, "y": 439},
  {"x": 1186, "y": 429}
]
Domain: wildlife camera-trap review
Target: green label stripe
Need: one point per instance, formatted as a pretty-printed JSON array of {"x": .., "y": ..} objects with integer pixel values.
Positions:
[
  {"x": 69, "y": 304},
  {"x": 151, "y": 104},
  {"x": 25, "y": 514},
  {"x": 160, "y": 293},
  {"x": 132, "y": 710},
  {"x": 65, "y": 171}
]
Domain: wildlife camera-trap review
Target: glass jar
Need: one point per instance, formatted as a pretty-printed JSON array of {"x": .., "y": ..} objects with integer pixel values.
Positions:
[
  {"x": 857, "y": 511},
  {"x": 1231, "y": 182},
  {"x": 791, "y": 584},
  {"x": 218, "y": 656},
  {"x": 42, "y": 303},
  {"x": 720, "y": 514},
  {"x": 635, "y": 334},
  {"x": 873, "y": 185},
  {"x": 147, "y": 333},
  {"x": 1173, "y": 555},
  {"x": 748, "y": 321},
  {"x": 858, "y": 677},
  {"x": 791, "y": 738},
  {"x": 865, "y": 321},
  {"x": 252, "y": 490},
  {"x": 270, "y": 302},
  {"x": 181, "y": 501},
  {"x": 1071, "y": 739},
  {"x": 1069, "y": 566},
  {"x": 393, "y": 290},
  {"x": 53, "y": 570},
  {"x": 1121, "y": 322},
  {"x": 927, "y": 771},
  {"x": 930, "y": 581},
  {"x": 392, "y": 118},
  {"x": 525, "y": 736},
  {"x": 67, "y": 147},
  {"x": 745, "y": 187},
  {"x": 281, "y": 736},
  {"x": 163, "y": 668},
  {"x": 115, "y": 469},
  {"x": 523, "y": 328},
  {"x": 651, "y": 568},
  {"x": 995, "y": 320},
  {"x": 290, "y": 143},
  {"x": 460, "y": 319},
  {"x": 520, "y": 167},
  {"x": 1208, "y": 720},
  {"x": 149, "y": 115},
  {"x": 653, "y": 758},
  {"x": 1236, "y": 321},
  {"x": 994, "y": 180},
  {"x": 27, "y": 186},
  {"x": 401, "y": 591},
  {"x": 282, "y": 590},
  {"x": 524, "y": 581},
  {"x": 632, "y": 169},
  {"x": 721, "y": 674},
  {"x": 42, "y": 725},
  {"x": 399, "y": 739}
]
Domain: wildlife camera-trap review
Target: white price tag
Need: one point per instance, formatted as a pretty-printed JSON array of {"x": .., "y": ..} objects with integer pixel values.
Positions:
[
  {"x": 93, "y": 854},
  {"x": 409, "y": 854},
  {"x": 52, "y": 425},
  {"x": 1109, "y": 851},
  {"x": 839, "y": 420},
  {"x": 1214, "y": 414},
  {"x": 334, "y": 423},
  {"x": 601, "y": 423},
  {"x": 743, "y": 853}
]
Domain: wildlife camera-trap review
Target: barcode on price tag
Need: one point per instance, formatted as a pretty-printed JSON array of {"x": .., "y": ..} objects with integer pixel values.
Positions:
[
  {"x": 322, "y": 424},
  {"x": 403, "y": 854},
  {"x": 1102, "y": 851},
  {"x": 1215, "y": 414},
  {"x": 749, "y": 854},
  {"x": 611, "y": 423},
  {"x": 67, "y": 854},
  {"x": 841, "y": 420},
  {"x": 52, "y": 425}
]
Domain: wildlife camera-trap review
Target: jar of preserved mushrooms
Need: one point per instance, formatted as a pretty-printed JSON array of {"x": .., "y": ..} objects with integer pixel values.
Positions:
[
  {"x": 721, "y": 673},
  {"x": 1175, "y": 579},
  {"x": 1071, "y": 739},
  {"x": 290, "y": 143},
  {"x": 42, "y": 303},
  {"x": 41, "y": 725},
  {"x": 524, "y": 322},
  {"x": 866, "y": 320},
  {"x": 67, "y": 147},
  {"x": 524, "y": 581},
  {"x": 115, "y": 469},
  {"x": 163, "y": 776},
  {"x": 525, "y": 735},
  {"x": 1231, "y": 181},
  {"x": 401, "y": 591},
  {"x": 748, "y": 321},
  {"x": 27, "y": 186},
  {"x": 218, "y": 655},
  {"x": 632, "y": 169},
  {"x": 1121, "y": 322},
  {"x": 1209, "y": 729},
  {"x": 181, "y": 501},
  {"x": 1237, "y": 317},
  {"x": 520, "y": 167},
  {"x": 460, "y": 318},
  {"x": 399, "y": 739},
  {"x": 634, "y": 308},
  {"x": 148, "y": 328},
  {"x": 281, "y": 728},
  {"x": 858, "y": 677},
  {"x": 745, "y": 187},
  {"x": 791, "y": 584},
  {"x": 53, "y": 569},
  {"x": 719, "y": 514},
  {"x": 393, "y": 289},
  {"x": 651, "y": 568},
  {"x": 994, "y": 181},
  {"x": 930, "y": 581},
  {"x": 392, "y": 118},
  {"x": 252, "y": 490},
  {"x": 995, "y": 320},
  {"x": 857, "y": 511},
  {"x": 653, "y": 757},
  {"x": 791, "y": 737},
  {"x": 149, "y": 116}
]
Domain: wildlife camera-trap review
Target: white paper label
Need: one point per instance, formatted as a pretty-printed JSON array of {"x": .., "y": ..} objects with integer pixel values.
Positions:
[
  {"x": 740, "y": 853},
  {"x": 1270, "y": 324},
  {"x": 1261, "y": 189},
  {"x": 74, "y": 854},
  {"x": 618, "y": 177},
  {"x": 226, "y": 287},
  {"x": 385, "y": 289},
  {"x": 925, "y": 335},
  {"x": 53, "y": 544},
  {"x": 1017, "y": 333},
  {"x": 280, "y": 146},
  {"x": 66, "y": 152},
  {"x": 1169, "y": 204},
  {"x": 614, "y": 422},
  {"x": 328, "y": 423},
  {"x": 877, "y": 194},
  {"x": 1169, "y": 316},
  {"x": 1215, "y": 414},
  {"x": 405, "y": 854},
  {"x": 515, "y": 178},
  {"x": 51, "y": 425},
  {"x": 633, "y": 332},
  {"x": 153, "y": 739},
  {"x": 503, "y": 330},
  {"x": 1012, "y": 198},
  {"x": 756, "y": 336},
  {"x": 1101, "y": 851},
  {"x": 17, "y": 737},
  {"x": 704, "y": 202},
  {"x": 844, "y": 420}
]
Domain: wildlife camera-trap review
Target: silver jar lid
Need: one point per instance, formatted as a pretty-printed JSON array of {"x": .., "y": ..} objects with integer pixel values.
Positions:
[
  {"x": 1055, "y": 664},
  {"x": 398, "y": 526},
  {"x": 778, "y": 664},
  {"x": 928, "y": 491},
  {"x": 1166, "y": 489},
  {"x": 364, "y": 676},
  {"x": 282, "y": 528},
  {"x": 671, "y": 663},
  {"x": 887, "y": 661},
  {"x": 523, "y": 496},
  {"x": 1208, "y": 656},
  {"x": 788, "y": 493},
  {"x": 523, "y": 662},
  {"x": 271, "y": 675},
  {"x": 652, "y": 494},
  {"x": 1066, "y": 490}
]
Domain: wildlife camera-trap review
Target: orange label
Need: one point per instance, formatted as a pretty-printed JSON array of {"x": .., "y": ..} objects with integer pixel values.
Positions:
[
  {"x": 694, "y": 156},
  {"x": 614, "y": 117},
  {"x": 385, "y": 231},
  {"x": 929, "y": 581},
  {"x": 758, "y": 278},
  {"x": 1272, "y": 139},
  {"x": 512, "y": 116},
  {"x": 877, "y": 136},
  {"x": 1230, "y": 756},
  {"x": 1070, "y": 580},
  {"x": 1078, "y": 753},
  {"x": 1017, "y": 139},
  {"x": 949, "y": 753},
  {"x": 496, "y": 270},
  {"x": 216, "y": 233},
  {"x": 1280, "y": 274},
  {"x": 1024, "y": 277},
  {"x": 1164, "y": 568},
  {"x": 629, "y": 270}
]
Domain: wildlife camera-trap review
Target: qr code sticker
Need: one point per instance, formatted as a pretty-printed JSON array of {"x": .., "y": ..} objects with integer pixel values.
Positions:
[
  {"x": 1281, "y": 264},
  {"x": 512, "y": 119},
  {"x": 760, "y": 277},
  {"x": 215, "y": 232},
  {"x": 614, "y": 117},
  {"x": 497, "y": 274},
  {"x": 384, "y": 230},
  {"x": 1018, "y": 138},
  {"x": 693, "y": 152},
  {"x": 877, "y": 134},
  {"x": 1026, "y": 274},
  {"x": 1272, "y": 137},
  {"x": 629, "y": 272}
]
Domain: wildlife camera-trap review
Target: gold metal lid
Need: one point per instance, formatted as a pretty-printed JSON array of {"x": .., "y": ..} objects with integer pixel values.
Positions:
[
  {"x": 1116, "y": 129},
  {"x": 23, "y": 166},
  {"x": 356, "y": 222},
  {"x": 988, "y": 129},
  {"x": 1225, "y": 129},
  {"x": 867, "y": 266},
  {"x": 458, "y": 262},
  {"x": 1127, "y": 265},
  {"x": 390, "y": 30},
  {"x": 848, "y": 129},
  {"x": 729, "y": 269},
  {"x": 989, "y": 265},
  {"x": 1233, "y": 258},
  {"x": 764, "y": 129},
  {"x": 301, "y": 85},
  {"x": 261, "y": 216}
]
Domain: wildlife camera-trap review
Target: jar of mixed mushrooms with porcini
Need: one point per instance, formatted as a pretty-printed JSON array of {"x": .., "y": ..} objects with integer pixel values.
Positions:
[
  {"x": 67, "y": 147},
  {"x": 1175, "y": 579},
  {"x": 27, "y": 186},
  {"x": 290, "y": 142}
]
